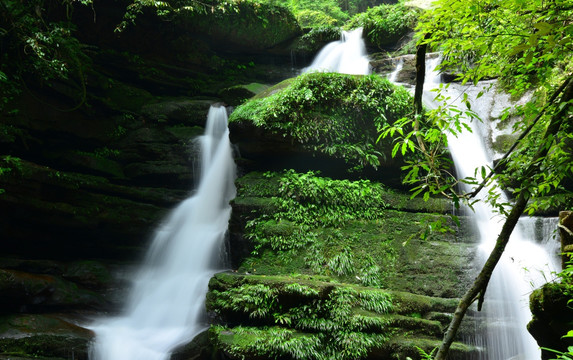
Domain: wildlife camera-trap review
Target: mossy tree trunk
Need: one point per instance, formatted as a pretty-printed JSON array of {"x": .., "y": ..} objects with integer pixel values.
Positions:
[
  {"x": 566, "y": 233},
  {"x": 419, "y": 91}
]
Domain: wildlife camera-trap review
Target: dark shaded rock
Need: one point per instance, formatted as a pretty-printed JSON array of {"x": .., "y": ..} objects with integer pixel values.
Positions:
[
  {"x": 52, "y": 347},
  {"x": 552, "y": 318},
  {"x": 50, "y": 211},
  {"x": 22, "y": 325},
  {"x": 119, "y": 96},
  {"x": 381, "y": 63},
  {"x": 178, "y": 111},
  {"x": 25, "y": 291},
  {"x": 238, "y": 94},
  {"x": 90, "y": 274},
  {"x": 406, "y": 75},
  {"x": 94, "y": 164},
  {"x": 186, "y": 50},
  {"x": 253, "y": 28},
  {"x": 201, "y": 348}
]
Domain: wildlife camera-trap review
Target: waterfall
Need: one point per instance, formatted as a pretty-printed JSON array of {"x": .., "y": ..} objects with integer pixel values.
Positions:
[
  {"x": 166, "y": 306},
  {"x": 525, "y": 264},
  {"x": 394, "y": 74},
  {"x": 346, "y": 56}
]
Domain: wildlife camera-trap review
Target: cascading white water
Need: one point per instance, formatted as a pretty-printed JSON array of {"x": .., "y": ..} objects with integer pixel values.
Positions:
[
  {"x": 166, "y": 306},
  {"x": 525, "y": 264},
  {"x": 394, "y": 74},
  {"x": 346, "y": 56}
]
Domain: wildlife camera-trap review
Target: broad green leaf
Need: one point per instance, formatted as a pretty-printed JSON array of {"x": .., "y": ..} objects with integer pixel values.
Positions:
[{"x": 543, "y": 27}]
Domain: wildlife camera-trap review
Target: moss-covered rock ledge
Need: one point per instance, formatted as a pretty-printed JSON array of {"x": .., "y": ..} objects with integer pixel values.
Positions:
[
  {"x": 358, "y": 232},
  {"x": 312, "y": 317}
]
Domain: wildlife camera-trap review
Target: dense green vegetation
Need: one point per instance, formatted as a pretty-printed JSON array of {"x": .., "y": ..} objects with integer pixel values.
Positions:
[
  {"x": 526, "y": 48},
  {"x": 324, "y": 322},
  {"x": 335, "y": 114},
  {"x": 303, "y": 223},
  {"x": 38, "y": 51},
  {"x": 386, "y": 25},
  {"x": 310, "y": 229}
]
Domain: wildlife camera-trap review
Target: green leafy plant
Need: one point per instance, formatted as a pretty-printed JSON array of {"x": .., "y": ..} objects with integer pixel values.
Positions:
[
  {"x": 561, "y": 355},
  {"x": 38, "y": 50},
  {"x": 307, "y": 221},
  {"x": 343, "y": 324}
]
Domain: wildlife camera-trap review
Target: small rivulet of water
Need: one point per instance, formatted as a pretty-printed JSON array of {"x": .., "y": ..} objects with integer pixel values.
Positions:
[
  {"x": 394, "y": 74},
  {"x": 346, "y": 56},
  {"x": 525, "y": 265},
  {"x": 166, "y": 306}
]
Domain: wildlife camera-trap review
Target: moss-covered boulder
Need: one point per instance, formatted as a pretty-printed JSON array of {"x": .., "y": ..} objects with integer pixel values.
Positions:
[
  {"x": 355, "y": 231},
  {"x": 314, "y": 40},
  {"x": 321, "y": 121},
  {"x": 386, "y": 25},
  {"x": 237, "y": 94},
  {"x": 552, "y": 317},
  {"x": 44, "y": 347}
]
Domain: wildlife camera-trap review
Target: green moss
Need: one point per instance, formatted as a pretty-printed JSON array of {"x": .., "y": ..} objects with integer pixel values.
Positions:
[
  {"x": 316, "y": 39},
  {"x": 124, "y": 97},
  {"x": 503, "y": 143},
  {"x": 327, "y": 312},
  {"x": 404, "y": 347},
  {"x": 415, "y": 325},
  {"x": 274, "y": 89},
  {"x": 385, "y": 25},
  {"x": 345, "y": 230},
  {"x": 334, "y": 114},
  {"x": 300, "y": 318}
]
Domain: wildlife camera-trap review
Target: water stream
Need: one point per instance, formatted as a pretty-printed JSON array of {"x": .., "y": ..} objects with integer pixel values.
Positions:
[
  {"x": 525, "y": 264},
  {"x": 346, "y": 56},
  {"x": 166, "y": 306}
]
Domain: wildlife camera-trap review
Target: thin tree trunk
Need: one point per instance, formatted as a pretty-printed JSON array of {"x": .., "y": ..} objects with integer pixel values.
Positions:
[
  {"x": 477, "y": 290},
  {"x": 420, "y": 78}
]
